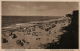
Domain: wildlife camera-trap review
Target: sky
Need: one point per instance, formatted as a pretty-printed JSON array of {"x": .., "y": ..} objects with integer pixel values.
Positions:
[{"x": 19, "y": 8}]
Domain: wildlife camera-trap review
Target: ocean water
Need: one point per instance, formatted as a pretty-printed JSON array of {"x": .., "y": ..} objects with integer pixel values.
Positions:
[{"x": 9, "y": 20}]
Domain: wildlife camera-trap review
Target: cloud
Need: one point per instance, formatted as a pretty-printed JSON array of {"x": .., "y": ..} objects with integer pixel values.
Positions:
[{"x": 38, "y": 8}]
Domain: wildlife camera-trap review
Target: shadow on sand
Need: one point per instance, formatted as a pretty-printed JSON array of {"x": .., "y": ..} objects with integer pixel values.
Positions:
[{"x": 69, "y": 40}]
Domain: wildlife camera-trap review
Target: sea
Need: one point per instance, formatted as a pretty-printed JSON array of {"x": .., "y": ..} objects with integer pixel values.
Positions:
[{"x": 9, "y": 20}]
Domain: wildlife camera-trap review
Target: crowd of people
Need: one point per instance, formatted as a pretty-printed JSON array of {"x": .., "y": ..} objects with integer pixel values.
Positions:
[{"x": 35, "y": 30}]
